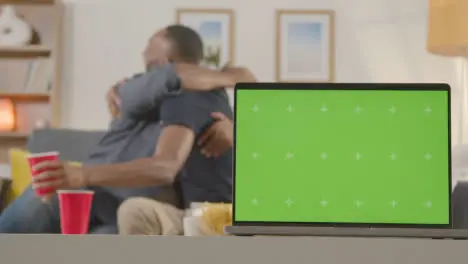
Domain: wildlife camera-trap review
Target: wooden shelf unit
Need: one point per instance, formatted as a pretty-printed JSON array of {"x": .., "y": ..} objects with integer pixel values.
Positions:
[
  {"x": 26, "y": 97},
  {"x": 14, "y": 135},
  {"x": 51, "y": 50},
  {"x": 26, "y": 52}
]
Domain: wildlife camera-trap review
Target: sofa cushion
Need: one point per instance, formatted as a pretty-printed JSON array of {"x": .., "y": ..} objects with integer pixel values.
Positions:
[
  {"x": 73, "y": 145},
  {"x": 20, "y": 173}
]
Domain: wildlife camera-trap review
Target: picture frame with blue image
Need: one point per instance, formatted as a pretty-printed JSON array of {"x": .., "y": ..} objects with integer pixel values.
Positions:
[
  {"x": 216, "y": 28},
  {"x": 305, "y": 45}
]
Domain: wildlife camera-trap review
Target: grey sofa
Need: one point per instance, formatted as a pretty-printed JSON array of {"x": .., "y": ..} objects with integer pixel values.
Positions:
[{"x": 75, "y": 145}]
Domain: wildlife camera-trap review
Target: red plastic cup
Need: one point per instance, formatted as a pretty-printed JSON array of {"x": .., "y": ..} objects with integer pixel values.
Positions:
[
  {"x": 36, "y": 158},
  {"x": 75, "y": 210}
]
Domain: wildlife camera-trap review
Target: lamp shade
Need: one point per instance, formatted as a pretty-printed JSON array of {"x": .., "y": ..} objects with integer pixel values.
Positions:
[
  {"x": 448, "y": 27},
  {"x": 7, "y": 115}
]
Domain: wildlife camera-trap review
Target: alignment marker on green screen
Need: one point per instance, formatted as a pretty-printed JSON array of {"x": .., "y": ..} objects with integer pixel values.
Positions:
[{"x": 342, "y": 156}]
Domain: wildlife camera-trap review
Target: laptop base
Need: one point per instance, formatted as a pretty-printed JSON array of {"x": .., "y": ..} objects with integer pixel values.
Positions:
[{"x": 347, "y": 232}]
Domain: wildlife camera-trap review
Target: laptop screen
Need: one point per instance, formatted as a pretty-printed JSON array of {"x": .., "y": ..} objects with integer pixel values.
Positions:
[{"x": 342, "y": 156}]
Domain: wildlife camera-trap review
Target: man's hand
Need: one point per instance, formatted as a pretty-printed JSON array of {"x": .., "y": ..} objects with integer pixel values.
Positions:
[
  {"x": 113, "y": 99},
  {"x": 218, "y": 138},
  {"x": 58, "y": 175}
]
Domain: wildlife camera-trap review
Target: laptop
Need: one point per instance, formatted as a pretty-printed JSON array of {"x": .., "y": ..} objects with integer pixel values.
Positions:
[{"x": 335, "y": 159}]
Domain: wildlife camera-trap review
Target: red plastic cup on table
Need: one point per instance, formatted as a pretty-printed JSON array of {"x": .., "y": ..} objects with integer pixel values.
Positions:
[
  {"x": 75, "y": 210},
  {"x": 36, "y": 158}
]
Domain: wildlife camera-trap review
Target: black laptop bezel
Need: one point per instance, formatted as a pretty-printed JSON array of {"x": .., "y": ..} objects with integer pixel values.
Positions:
[{"x": 344, "y": 86}]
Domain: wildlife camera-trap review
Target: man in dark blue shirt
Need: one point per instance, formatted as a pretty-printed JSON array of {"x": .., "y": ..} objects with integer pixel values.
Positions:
[{"x": 150, "y": 149}]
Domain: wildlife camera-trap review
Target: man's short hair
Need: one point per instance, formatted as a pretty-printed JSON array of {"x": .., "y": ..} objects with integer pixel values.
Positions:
[{"x": 187, "y": 42}]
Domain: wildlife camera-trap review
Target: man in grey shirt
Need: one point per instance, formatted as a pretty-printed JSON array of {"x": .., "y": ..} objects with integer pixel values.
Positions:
[{"x": 150, "y": 147}]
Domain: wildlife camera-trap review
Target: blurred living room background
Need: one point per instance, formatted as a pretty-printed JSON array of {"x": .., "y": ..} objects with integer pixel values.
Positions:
[{"x": 61, "y": 57}]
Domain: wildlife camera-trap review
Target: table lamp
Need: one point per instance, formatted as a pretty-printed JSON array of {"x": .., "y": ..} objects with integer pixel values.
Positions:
[
  {"x": 7, "y": 115},
  {"x": 448, "y": 36},
  {"x": 448, "y": 28}
]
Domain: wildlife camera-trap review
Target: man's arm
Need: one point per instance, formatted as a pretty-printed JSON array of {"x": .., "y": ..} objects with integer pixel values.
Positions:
[
  {"x": 173, "y": 147},
  {"x": 183, "y": 116},
  {"x": 149, "y": 89},
  {"x": 194, "y": 77}
]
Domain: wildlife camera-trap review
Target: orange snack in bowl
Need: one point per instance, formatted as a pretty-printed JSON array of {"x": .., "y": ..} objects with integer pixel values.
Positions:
[{"x": 215, "y": 216}]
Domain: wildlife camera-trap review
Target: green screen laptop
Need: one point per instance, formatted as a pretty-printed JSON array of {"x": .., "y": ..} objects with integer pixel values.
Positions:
[{"x": 313, "y": 156}]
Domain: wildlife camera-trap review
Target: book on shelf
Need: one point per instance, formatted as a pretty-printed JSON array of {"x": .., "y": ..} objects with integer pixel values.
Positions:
[
  {"x": 39, "y": 76},
  {"x": 12, "y": 79}
]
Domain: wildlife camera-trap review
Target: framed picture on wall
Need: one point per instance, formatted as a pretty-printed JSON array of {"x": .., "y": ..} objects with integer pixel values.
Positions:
[
  {"x": 305, "y": 46},
  {"x": 216, "y": 27}
]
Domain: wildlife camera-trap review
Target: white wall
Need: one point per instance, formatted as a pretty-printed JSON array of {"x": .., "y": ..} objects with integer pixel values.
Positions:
[{"x": 377, "y": 41}]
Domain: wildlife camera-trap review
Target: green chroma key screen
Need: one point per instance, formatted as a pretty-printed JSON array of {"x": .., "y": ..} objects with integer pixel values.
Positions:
[{"x": 342, "y": 156}]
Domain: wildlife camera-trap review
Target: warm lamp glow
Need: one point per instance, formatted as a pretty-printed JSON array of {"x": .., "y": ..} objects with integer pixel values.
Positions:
[{"x": 7, "y": 115}]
